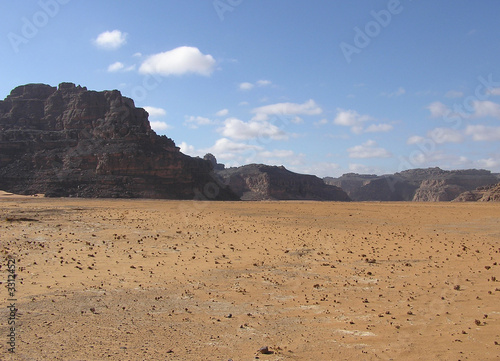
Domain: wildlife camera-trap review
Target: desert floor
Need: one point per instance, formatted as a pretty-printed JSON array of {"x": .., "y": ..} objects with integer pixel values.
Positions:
[{"x": 172, "y": 280}]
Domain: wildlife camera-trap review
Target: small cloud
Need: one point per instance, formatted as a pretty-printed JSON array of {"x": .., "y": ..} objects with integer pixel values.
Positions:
[
  {"x": 263, "y": 83},
  {"x": 259, "y": 83},
  {"x": 350, "y": 118},
  {"x": 452, "y": 94},
  {"x": 486, "y": 108},
  {"x": 246, "y": 86},
  {"x": 445, "y": 135},
  {"x": 308, "y": 108},
  {"x": 237, "y": 129},
  {"x": 490, "y": 163},
  {"x": 228, "y": 149},
  {"x": 377, "y": 128},
  {"x": 195, "y": 121},
  {"x": 222, "y": 113},
  {"x": 137, "y": 55},
  {"x": 111, "y": 40},
  {"x": 159, "y": 126},
  {"x": 416, "y": 139},
  {"x": 483, "y": 133},
  {"x": 119, "y": 66},
  {"x": 187, "y": 149},
  {"x": 179, "y": 61},
  {"x": 115, "y": 67},
  {"x": 368, "y": 149},
  {"x": 155, "y": 112},
  {"x": 397, "y": 93},
  {"x": 438, "y": 110}
]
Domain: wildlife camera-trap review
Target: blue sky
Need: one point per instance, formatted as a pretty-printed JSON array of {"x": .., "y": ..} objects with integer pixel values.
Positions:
[{"x": 321, "y": 87}]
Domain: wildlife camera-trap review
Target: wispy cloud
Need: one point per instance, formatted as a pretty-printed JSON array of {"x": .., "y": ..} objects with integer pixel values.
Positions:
[
  {"x": 368, "y": 149},
  {"x": 308, "y": 108},
  {"x": 249, "y": 86}
]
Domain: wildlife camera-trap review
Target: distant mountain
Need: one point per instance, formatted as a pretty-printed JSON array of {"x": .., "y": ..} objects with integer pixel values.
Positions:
[
  {"x": 431, "y": 184},
  {"x": 262, "y": 182},
  {"x": 69, "y": 141}
]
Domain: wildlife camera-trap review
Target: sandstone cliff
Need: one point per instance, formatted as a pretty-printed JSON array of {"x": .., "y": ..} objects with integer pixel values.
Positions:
[
  {"x": 431, "y": 184},
  {"x": 489, "y": 193},
  {"x": 69, "y": 141},
  {"x": 263, "y": 182}
]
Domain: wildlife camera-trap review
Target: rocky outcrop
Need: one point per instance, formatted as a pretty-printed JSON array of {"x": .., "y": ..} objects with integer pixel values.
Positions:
[
  {"x": 69, "y": 141},
  {"x": 489, "y": 193},
  {"x": 263, "y": 182},
  {"x": 431, "y": 185}
]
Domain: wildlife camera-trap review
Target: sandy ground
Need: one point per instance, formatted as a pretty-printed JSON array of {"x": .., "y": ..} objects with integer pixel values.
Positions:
[{"x": 168, "y": 280}]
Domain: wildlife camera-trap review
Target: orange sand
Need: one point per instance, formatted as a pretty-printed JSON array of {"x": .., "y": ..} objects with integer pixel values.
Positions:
[{"x": 171, "y": 280}]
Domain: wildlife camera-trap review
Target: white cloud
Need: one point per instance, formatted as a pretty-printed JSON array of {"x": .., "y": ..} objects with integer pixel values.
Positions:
[
  {"x": 222, "y": 113},
  {"x": 486, "y": 108},
  {"x": 350, "y": 118},
  {"x": 187, "y": 149},
  {"x": 119, "y": 66},
  {"x": 246, "y": 86},
  {"x": 159, "y": 126},
  {"x": 452, "y": 94},
  {"x": 263, "y": 83},
  {"x": 308, "y": 108},
  {"x": 438, "y": 110},
  {"x": 228, "y": 149},
  {"x": 111, "y": 40},
  {"x": 416, "y": 139},
  {"x": 490, "y": 163},
  {"x": 445, "y": 135},
  {"x": 240, "y": 130},
  {"x": 179, "y": 61},
  {"x": 320, "y": 169},
  {"x": 259, "y": 83},
  {"x": 368, "y": 149},
  {"x": 155, "y": 112},
  {"x": 376, "y": 128},
  {"x": 483, "y": 133},
  {"x": 115, "y": 67},
  {"x": 194, "y": 121}
]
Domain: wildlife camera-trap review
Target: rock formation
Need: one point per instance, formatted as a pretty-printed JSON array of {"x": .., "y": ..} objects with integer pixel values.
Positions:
[
  {"x": 432, "y": 184},
  {"x": 263, "y": 182},
  {"x": 489, "y": 193},
  {"x": 69, "y": 141}
]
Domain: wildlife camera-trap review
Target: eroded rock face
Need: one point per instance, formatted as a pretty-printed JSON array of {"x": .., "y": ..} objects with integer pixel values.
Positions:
[
  {"x": 263, "y": 182},
  {"x": 69, "y": 141},
  {"x": 421, "y": 185},
  {"x": 489, "y": 193}
]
